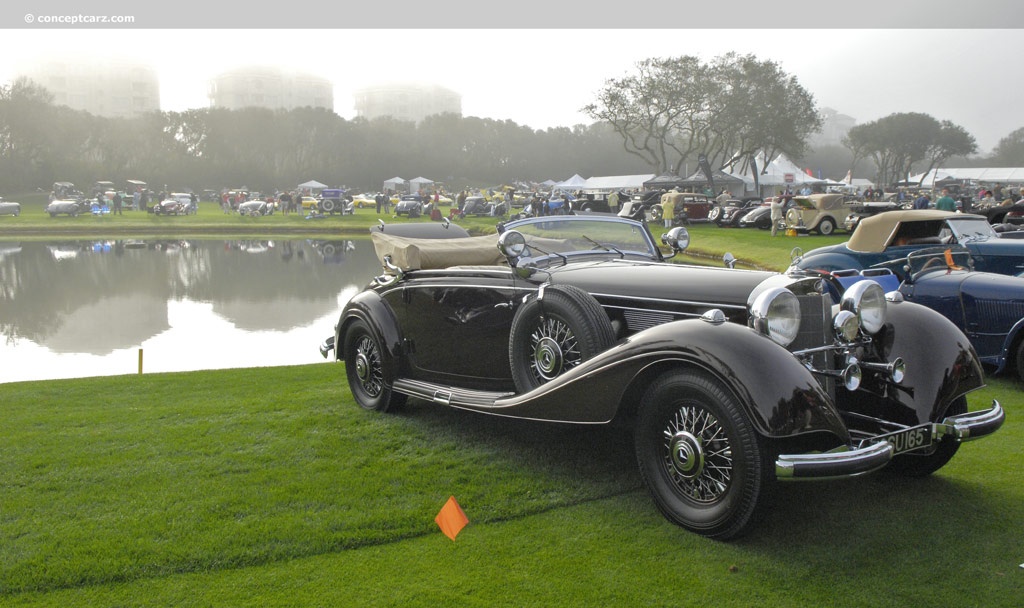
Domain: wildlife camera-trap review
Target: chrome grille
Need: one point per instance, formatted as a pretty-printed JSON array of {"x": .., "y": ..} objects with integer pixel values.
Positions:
[
  {"x": 639, "y": 320},
  {"x": 816, "y": 330}
]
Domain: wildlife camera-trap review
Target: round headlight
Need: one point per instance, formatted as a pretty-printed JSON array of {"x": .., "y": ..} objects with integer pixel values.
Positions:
[
  {"x": 846, "y": 325},
  {"x": 776, "y": 314},
  {"x": 512, "y": 244},
  {"x": 677, "y": 238},
  {"x": 866, "y": 300}
]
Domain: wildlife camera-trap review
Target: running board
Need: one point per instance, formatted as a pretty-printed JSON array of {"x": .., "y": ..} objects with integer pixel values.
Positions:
[{"x": 447, "y": 395}]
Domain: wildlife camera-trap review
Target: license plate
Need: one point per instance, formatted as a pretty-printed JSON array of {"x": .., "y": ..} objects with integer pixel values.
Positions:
[{"x": 910, "y": 439}]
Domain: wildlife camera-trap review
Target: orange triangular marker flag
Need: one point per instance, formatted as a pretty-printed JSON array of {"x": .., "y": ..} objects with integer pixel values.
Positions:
[{"x": 451, "y": 519}]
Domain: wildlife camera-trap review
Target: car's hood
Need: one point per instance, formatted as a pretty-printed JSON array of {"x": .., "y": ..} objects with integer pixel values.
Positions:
[
  {"x": 651, "y": 281},
  {"x": 978, "y": 286}
]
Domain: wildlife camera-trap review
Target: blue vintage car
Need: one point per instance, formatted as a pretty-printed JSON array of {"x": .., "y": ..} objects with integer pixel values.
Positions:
[
  {"x": 987, "y": 307},
  {"x": 885, "y": 240}
]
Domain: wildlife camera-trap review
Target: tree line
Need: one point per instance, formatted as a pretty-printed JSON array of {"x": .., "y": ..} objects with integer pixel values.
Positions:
[
  {"x": 265, "y": 150},
  {"x": 665, "y": 117}
]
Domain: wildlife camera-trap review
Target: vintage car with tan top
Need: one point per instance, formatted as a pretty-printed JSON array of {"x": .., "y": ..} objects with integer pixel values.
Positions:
[
  {"x": 728, "y": 379},
  {"x": 821, "y": 213},
  {"x": 885, "y": 240}
]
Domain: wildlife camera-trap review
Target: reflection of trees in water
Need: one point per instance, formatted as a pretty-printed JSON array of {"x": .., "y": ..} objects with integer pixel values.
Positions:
[
  {"x": 248, "y": 282},
  {"x": 42, "y": 286}
]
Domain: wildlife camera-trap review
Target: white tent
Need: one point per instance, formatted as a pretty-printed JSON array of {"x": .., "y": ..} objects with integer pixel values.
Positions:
[
  {"x": 617, "y": 182},
  {"x": 779, "y": 172},
  {"x": 394, "y": 183},
  {"x": 576, "y": 182},
  {"x": 312, "y": 184},
  {"x": 417, "y": 184},
  {"x": 987, "y": 175}
]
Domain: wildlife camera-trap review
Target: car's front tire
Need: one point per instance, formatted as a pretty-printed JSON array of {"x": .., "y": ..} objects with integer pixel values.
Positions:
[
  {"x": 369, "y": 369},
  {"x": 705, "y": 466},
  {"x": 553, "y": 334}
]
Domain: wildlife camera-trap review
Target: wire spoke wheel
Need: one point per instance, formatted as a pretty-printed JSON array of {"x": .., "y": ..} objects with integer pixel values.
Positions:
[
  {"x": 704, "y": 465},
  {"x": 554, "y": 334},
  {"x": 555, "y": 349},
  {"x": 698, "y": 454},
  {"x": 368, "y": 369}
]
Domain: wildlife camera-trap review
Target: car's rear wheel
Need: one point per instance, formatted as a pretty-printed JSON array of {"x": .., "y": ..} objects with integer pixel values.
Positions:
[
  {"x": 922, "y": 464},
  {"x": 328, "y": 205},
  {"x": 369, "y": 369},
  {"x": 715, "y": 214},
  {"x": 705, "y": 466},
  {"x": 554, "y": 333},
  {"x": 826, "y": 227}
]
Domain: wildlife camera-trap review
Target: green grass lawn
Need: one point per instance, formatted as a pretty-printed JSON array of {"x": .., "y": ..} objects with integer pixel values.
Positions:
[{"x": 269, "y": 487}]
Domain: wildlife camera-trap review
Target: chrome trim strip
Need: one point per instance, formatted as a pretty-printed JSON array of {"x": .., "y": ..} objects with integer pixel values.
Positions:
[{"x": 845, "y": 463}]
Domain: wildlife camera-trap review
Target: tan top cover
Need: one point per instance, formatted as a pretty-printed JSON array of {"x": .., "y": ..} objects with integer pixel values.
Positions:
[{"x": 425, "y": 254}]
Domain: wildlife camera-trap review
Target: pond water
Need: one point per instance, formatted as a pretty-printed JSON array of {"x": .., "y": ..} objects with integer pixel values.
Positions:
[{"x": 73, "y": 309}]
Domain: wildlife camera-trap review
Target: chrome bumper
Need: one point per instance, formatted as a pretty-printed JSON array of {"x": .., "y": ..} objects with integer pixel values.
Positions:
[
  {"x": 847, "y": 462},
  {"x": 326, "y": 347}
]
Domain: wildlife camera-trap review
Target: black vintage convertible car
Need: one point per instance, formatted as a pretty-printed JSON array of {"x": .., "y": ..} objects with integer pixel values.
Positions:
[{"x": 730, "y": 379}]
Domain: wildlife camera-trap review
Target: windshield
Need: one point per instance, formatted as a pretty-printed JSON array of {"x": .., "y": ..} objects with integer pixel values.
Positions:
[
  {"x": 967, "y": 230},
  {"x": 939, "y": 258},
  {"x": 572, "y": 234}
]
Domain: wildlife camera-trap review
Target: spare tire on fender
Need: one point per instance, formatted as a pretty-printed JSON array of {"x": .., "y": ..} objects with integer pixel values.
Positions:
[{"x": 557, "y": 330}]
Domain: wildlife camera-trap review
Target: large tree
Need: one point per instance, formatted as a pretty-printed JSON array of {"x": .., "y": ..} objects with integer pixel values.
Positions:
[
  {"x": 900, "y": 141},
  {"x": 673, "y": 110},
  {"x": 1009, "y": 152}
]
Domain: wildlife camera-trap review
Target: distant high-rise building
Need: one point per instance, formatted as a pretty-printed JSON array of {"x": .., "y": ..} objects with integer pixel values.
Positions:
[
  {"x": 269, "y": 87},
  {"x": 403, "y": 101},
  {"x": 834, "y": 127},
  {"x": 113, "y": 88}
]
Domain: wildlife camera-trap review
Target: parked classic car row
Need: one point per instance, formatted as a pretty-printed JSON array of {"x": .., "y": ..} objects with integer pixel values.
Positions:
[{"x": 730, "y": 379}]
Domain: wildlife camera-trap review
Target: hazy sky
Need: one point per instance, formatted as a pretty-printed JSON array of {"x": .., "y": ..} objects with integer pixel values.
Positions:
[{"x": 542, "y": 77}]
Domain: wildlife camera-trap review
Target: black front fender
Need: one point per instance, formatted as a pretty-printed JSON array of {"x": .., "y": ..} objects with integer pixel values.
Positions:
[
  {"x": 941, "y": 366},
  {"x": 780, "y": 396}
]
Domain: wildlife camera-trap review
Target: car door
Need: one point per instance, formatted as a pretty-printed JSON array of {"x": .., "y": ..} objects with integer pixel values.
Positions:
[{"x": 455, "y": 325}]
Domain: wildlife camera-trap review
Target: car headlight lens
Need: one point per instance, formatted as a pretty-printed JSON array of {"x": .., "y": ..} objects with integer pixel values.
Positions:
[
  {"x": 846, "y": 325},
  {"x": 866, "y": 300},
  {"x": 776, "y": 314}
]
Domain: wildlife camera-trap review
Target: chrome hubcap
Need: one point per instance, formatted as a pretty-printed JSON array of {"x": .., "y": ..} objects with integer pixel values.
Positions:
[
  {"x": 368, "y": 367},
  {"x": 698, "y": 454},
  {"x": 555, "y": 349},
  {"x": 547, "y": 358},
  {"x": 687, "y": 455}
]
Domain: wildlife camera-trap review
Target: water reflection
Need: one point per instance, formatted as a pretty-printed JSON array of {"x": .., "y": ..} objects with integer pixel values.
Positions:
[{"x": 84, "y": 308}]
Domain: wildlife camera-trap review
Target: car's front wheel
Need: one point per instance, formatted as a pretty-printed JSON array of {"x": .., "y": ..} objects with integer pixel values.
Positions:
[
  {"x": 705, "y": 466},
  {"x": 554, "y": 333},
  {"x": 369, "y": 369}
]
